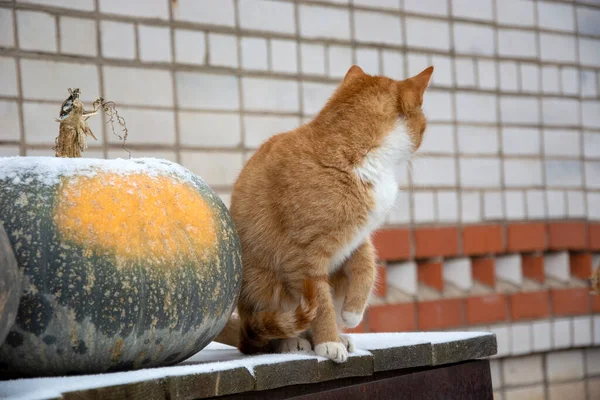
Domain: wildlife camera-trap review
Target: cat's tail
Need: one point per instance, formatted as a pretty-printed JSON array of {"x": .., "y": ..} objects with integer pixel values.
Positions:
[{"x": 262, "y": 327}]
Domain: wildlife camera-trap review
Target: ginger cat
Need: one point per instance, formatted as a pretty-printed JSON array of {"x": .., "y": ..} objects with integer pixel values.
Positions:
[{"x": 305, "y": 206}]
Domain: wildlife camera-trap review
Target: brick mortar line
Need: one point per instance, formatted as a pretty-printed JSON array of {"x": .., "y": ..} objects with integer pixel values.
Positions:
[
  {"x": 22, "y": 144},
  {"x": 177, "y": 145}
]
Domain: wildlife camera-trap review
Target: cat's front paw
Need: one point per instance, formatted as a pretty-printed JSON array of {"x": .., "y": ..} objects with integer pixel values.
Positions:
[
  {"x": 347, "y": 341},
  {"x": 291, "y": 345},
  {"x": 335, "y": 351},
  {"x": 351, "y": 319}
]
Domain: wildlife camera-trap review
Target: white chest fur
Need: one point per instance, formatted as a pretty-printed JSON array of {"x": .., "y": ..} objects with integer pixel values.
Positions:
[{"x": 378, "y": 168}]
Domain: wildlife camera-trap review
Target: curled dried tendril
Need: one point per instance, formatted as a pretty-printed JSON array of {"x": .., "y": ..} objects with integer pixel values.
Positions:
[{"x": 110, "y": 109}]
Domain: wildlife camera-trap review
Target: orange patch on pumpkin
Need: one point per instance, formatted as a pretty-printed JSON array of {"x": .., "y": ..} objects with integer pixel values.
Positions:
[{"x": 135, "y": 216}]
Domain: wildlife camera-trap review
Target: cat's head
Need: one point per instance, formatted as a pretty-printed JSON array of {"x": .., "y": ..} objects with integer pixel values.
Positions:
[{"x": 389, "y": 100}]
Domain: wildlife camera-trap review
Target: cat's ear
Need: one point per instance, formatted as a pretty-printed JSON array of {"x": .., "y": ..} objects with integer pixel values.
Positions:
[
  {"x": 354, "y": 72},
  {"x": 422, "y": 80}
]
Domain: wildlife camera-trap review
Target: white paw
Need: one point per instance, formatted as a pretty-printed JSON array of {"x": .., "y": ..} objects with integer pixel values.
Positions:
[
  {"x": 291, "y": 345},
  {"x": 347, "y": 341},
  {"x": 351, "y": 320},
  {"x": 335, "y": 351}
]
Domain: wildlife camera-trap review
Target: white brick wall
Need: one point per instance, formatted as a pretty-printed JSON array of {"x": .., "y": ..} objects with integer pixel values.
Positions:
[
  {"x": 199, "y": 90},
  {"x": 190, "y": 47},
  {"x": 36, "y": 31},
  {"x": 78, "y": 36},
  {"x": 427, "y": 34},
  {"x": 117, "y": 39},
  {"x": 374, "y": 27},
  {"x": 212, "y": 12},
  {"x": 151, "y": 9},
  {"x": 474, "y": 39},
  {"x": 267, "y": 15},
  {"x": 209, "y": 129},
  {"x": 324, "y": 22}
]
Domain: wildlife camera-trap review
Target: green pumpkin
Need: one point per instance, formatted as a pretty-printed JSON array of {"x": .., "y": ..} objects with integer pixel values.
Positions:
[{"x": 124, "y": 264}]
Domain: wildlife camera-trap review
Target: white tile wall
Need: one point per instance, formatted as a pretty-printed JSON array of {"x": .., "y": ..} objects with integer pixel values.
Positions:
[
  {"x": 375, "y": 27},
  {"x": 117, "y": 39},
  {"x": 190, "y": 47},
  {"x": 267, "y": 15},
  {"x": 324, "y": 22},
  {"x": 78, "y": 36},
  {"x": 36, "y": 31},
  {"x": 154, "y": 43},
  {"x": 211, "y": 12},
  {"x": 427, "y": 33}
]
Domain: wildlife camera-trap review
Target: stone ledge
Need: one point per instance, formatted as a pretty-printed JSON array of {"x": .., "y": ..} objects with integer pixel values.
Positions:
[{"x": 221, "y": 370}]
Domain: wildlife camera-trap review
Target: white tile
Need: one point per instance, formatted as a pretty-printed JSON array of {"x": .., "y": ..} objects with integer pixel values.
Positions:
[
  {"x": 522, "y": 173},
  {"x": 503, "y": 339},
  {"x": 591, "y": 113},
  {"x": 390, "y": 4},
  {"x": 536, "y": 204},
  {"x": 516, "y": 43},
  {"x": 151, "y": 9},
  {"x": 486, "y": 72},
  {"x": 36, "y": 31},
  {"x": 519, "y": 110},
  {"x": 588, "y": 52},
  {"x": 10, "y": 126},
  {"x": 117, "y": 39},
  {"x": 403, "y": 276},
  {"x": 495, "y": 371},
  {"x": 340, "y": 60},
  {"x": 589, "y": 83},
  {"x": 217, "y": 169},
  {"x": 596, "y": 328},
  {"x": 393, "y": 64},
  {"x": 556, "y": 265},
  {"x": 482, "y": 9},
  {"x": 470, "y": 207},
  {"x": 223, "y": 50},
  {"x": 78, "y": 36},
  {"x": 8, "y": 76},
  {"x": 375, "y": 27},
  {"x": 525, "y": 393},
  {"x": 443, "y": 71},
  {"x": 564, "y": 365},
  {"x": 530, "y": 79},
  {"x": 7, "y": 37},
  {"x": 424, "y": 207},
  {"x": 324, "y": 22},
  {"x": 368, "y": 60},
  {"x": 576, "y": 204},
  {"x": 207, "y": 91},
  {"x": 209, "y": 129},
  {"x": 582, "y": 331},
  {"x": 542, "y": 336},
  {"x": 465, "y": 72},
  {"x": 477, "y": 139},
  {"x": 190, "y": 47},
  {"x": 521, "y": 141},
  {"x": 591, "y": 144},
  {"x": 568, "y": 110},
  {"x": 557, "y": 47},
  {"x": 434, "y": 171},
  {"x": 315, "y": 95},
  {"x": 480, "y": 172},
  {"x": 438, "y": 138},
  {"x": 49, "y": 80},
  {"x": 562, "y": 143},
  {"x": 557, "y": 205},
  {"x": 509, "y": 269},
  {"x": 437, "y": 105},
  {"x": 416, "y": 63},
  {"x": 592, "y": 360},
  {"x": 515, "y": 205},
  {"x": 9, "y": 151},
  {"x": 556, "y": 16},
  {"x": 254, "y": 53},
  {"x": 492, "y": 206},
  {"x": 521, "y": 338},
  {"x": 550, "y": 79},
  {"x": 284, "y": 56},
  {"x": 130, "y": 86},
  {"x": 313, "y": 58},
  {"x": 561, "y": 333},
  {"x": 457, "y": 271},
  {"x": 427, "y": 33},
  {"x": 587, "y": 21},
  {"x": 476, "y": 107},
  {"x": 474, "y": 39},
  {"x": 267, "y": 15},
  {"x": 509, "y": 76},
  {"x": 593, "y": 206},
  {"x": 570, "y": 80},
  {"x": 211, "y": 12},
  {"x": 148, "y": 127},
  {"x": 260, "y": 128},
  {"x": 262, "y": 94},
  {"x": 82, "y": 5},
  {"x": 154, "y": 43},
  {"x": 592, "y": 174},
  {"x": 400, "y": 213},
  {"x": 447, "y": 206},
  {"x": 516, "y": 12},
  {"x": 431, "y": 7},
  {"x": 564, "y": 173}
]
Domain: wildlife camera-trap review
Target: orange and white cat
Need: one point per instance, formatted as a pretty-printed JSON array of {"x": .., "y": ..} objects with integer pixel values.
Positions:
[{"x": 305, "y": 206}]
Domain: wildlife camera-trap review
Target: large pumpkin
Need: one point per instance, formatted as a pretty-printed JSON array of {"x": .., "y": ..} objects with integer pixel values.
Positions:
[{"x": 124, "y": 264}]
